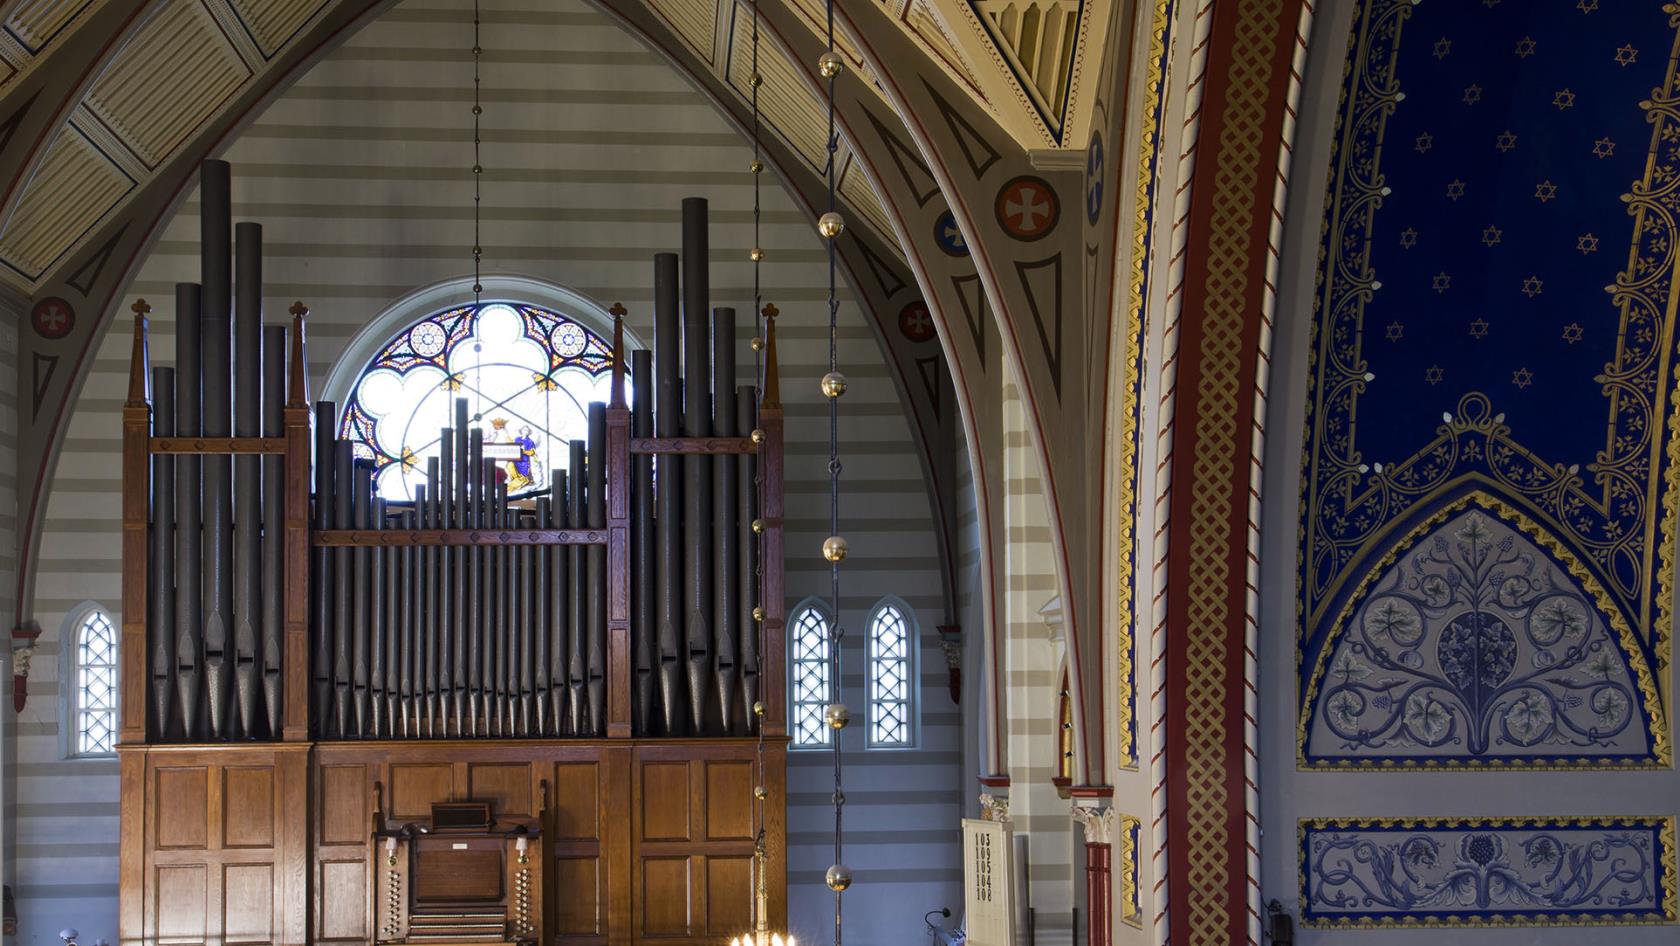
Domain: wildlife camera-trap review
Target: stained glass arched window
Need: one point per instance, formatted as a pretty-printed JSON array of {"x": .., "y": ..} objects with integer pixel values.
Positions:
[
  {"x": 527, "y": 374},
  {"x": 93, "y": 706}
]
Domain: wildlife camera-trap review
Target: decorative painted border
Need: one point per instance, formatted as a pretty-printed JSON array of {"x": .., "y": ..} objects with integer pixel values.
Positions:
[
  {"x": 1656, "y": 725},
  {"x": 1131, "y": 898},
  {"x": 1660, "y": 830}
]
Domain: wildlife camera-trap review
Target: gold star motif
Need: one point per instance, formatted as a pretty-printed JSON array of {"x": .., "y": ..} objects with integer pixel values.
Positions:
[
  {"x": 1604, "y": 147},
  {"x": 1506, "y": 141},
  {"x": 1424, "y": 142},
  {"x": 1443, "y": 46},
  {"x": 1408, "y": 238},
  {"x": 1545, "y": 191},
  {"x": 1433, "y": 374},
  {"x": 1627, "y": 56},
  {"x": 1472, "y": 94},
  {"x": 1525, "y": 47},
  {"x": 1572, "y": 332},
  {"x": 1586, "y": 243},
  {"x": 1492, "y": 235},
  {"x": 408, "y": 461},
  {"x": 1522, "y": 377},
  {"x": 1563, "y": 99},
  {"x": 1455, "y": 189},
  {"x": 1587, "y": 6},
  {"x": 1441, "y": 283},
  {"x": 1479, "y": 328},
  {"x": 1532, "y": 286},
  {"x": 1396, "y": 331}
]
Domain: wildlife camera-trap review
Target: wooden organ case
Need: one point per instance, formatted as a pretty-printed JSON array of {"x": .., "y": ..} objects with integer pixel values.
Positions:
[{"x": 463, "y": 718}]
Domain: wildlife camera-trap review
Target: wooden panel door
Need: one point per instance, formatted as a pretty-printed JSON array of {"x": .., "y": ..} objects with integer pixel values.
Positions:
[{"x": 691, "y": 830}]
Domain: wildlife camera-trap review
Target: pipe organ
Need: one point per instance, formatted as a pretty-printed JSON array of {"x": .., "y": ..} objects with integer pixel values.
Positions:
[{"x": 319, "y": 683}]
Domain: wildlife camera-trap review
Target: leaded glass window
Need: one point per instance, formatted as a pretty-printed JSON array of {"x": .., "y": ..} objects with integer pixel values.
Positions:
[
  {"x": 93, "y": 710},
  {"x": 527, "y": 374},
  {"x": 891, "y": 676},
  {"x": 812, "y": 675}
]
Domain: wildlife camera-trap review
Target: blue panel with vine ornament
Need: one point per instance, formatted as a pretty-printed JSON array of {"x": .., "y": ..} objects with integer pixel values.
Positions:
[
  {"x": 1487, "y": 872},
  {"x": 1476, "y": 645}
]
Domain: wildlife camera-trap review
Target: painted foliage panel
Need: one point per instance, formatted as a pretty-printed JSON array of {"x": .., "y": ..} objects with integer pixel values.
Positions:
[
  {"x": 1494, "y": 314},
  {"x": 1498, "y": 872}
]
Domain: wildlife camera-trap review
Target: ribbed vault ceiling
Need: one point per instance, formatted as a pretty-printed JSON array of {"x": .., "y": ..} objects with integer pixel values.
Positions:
[{"x": 171, "y": 71}]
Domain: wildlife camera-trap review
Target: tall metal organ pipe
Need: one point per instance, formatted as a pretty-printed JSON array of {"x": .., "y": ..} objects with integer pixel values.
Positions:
[
  {"x": 726, "y": 633},
  {"x": 697, "y": 470},
  {"x": 643, "y": 553},
  {"x": 667, "y": 418},
  {"x": 597, "y": 559},
  {"x": 216, "y": 252},
  {"x": 273, "y": 526},
  {"x": 189, "y": 482},
  {"x": 163, "y": 555},
  {"x": 248, "y": 630},
  {"x": 321, "y": 560},
  {"x": 746, "y": 557}
]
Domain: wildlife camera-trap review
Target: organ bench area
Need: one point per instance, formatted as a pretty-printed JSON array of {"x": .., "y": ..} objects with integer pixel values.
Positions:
[{"x": 330, "y": 736}]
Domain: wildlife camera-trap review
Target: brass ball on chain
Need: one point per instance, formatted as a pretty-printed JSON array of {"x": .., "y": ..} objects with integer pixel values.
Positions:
[
  {"x": 757, "y": 343},
  {"x": 836, "y": 715},
  {"x": 833, "y": 384},
  {"x": 760, "y": 792},
  {"x": 758, "y": 613},
  {"x": 756, "y": 254},
  {"x": 758, "y": 707},
  {"x": 478, "y": 110},
  {"x": 758, "y": 526},
  {"x": 757, "y": 167},
  {"x": 478, "y": 169},
  {"x": 838, "y": 878},
  {"x": 758, "y": 435},
  {"x": 834, "y": 548},
  {"x": 831, "y": 224},
  {"x": 830, "y": 64},
  {"x": 757, "y": 79}
]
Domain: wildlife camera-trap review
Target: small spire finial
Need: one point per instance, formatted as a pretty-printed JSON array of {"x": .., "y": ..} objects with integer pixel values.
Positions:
[
  {"x": 297, "y": 374},
  {"x": 141, "y": 308},
  {"x": 139, "y": 360},
  {"x": 298, "y": 309},
  {"x": 618, "y": 313},
  {"x": 772, "y": 396}
]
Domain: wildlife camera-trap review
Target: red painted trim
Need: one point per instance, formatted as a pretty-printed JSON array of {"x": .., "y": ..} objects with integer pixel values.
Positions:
[
  {"x": 1185, "y": 762},
  {"x": 1091, "y": 791},
  {"x": 994, "y": 781}
]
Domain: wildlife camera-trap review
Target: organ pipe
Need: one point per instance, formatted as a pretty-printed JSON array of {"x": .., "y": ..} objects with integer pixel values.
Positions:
[
  {"x": 162, "y": 595},
  {"x": 216, "y": 251},
  {"x": 189, "y": 484},
  {"x": 246, "y": 485},
  {"x": 273, "y": 562}
]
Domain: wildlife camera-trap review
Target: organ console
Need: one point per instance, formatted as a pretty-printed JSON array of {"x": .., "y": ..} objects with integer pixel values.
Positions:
[{"x": 544, "y": 709}]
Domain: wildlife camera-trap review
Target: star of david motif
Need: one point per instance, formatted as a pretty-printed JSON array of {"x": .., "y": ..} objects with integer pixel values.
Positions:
[
  {"x": 1396, "y": 331},
  {"x": 1563, "y": 99},
  {"x": 1532, "y": 285},
  {"x": 1472, "y": 94},
  {"x": 1492, "y": 235},
  {"x": 1479, "y": 328},
  {"x": 1604, "y": 148},
  {"x": 1094, "y": 179},
  {"x": 1572, "y": 332},
  {"x": 1455, "y": 189},
  {"x": 1545, "y": 191},
  {"x": 1408, "y": 238},
  {"x": 949, "y": 238},
  {"x": 1506, "y": 141},
  {"x": 1027, "y": 208},
  {"x": 1522, "y": 377},
  {"x": 1627, "y": 55},
  {"x": 1441, "y": 283},
  {"x": 53, "y": 318},
  {"x": 1586, "y": 243},
  {"x": 1443, "y": 47},
  {"x": 1424, "y": 142},
  {"x": 1433, "y": 374},
  {"x": 1587, "y": 6},
  {"x": 1525, "y": 47},
  {"x": 916, "y": 322}
]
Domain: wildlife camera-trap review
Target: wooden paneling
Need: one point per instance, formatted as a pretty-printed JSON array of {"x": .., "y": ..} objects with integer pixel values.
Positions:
[
  {"x": 344, "y": 804},
  {"x": 729, "y": 801},
  {"x": 577, "y": 901},
  {"x": 344, "y": 900},
  {"x": 728, "y": 895},
  {"x": 248, "y": 903},
  {"x": 180, "y": 905},
  {"x": 576, "y": 802},
  {"x": 415, "y": 787},
  {"x": 507, "y": 787},
  {"x": 665, "y": 896},
  {"x": 182, "y": 801},
  {"x": 664, "y": 798},
  {"x": 248, "y": 806}
]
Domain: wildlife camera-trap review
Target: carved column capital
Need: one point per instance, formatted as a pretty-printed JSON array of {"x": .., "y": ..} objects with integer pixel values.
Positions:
[
  {"x": 994, "y": 808},
  {"x": 1099, "y": 823}
]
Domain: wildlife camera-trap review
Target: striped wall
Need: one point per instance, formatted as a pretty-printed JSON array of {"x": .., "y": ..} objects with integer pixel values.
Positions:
[
  {"x": 1036, "y": 657},
  {"x": 359, "y": 174},
  {"x": 9, "y": 374}
]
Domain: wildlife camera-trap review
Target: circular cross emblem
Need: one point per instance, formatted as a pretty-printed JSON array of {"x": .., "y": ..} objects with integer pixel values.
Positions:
[
  {"x": 427, "y": 339},
  {"x": 1094, "y": 178},
  {"x": 1027, "y": 208},
  {"x": 916, "y": 322},
  {"x": 53, "y": 318},
  {"x": 569, "y": 339},
  {"x": 949, "y": 238}
]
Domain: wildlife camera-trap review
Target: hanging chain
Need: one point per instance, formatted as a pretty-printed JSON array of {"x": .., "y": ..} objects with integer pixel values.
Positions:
[
  {"x": 478, "y": 198},
  {"x": 761, "y": 859}
]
